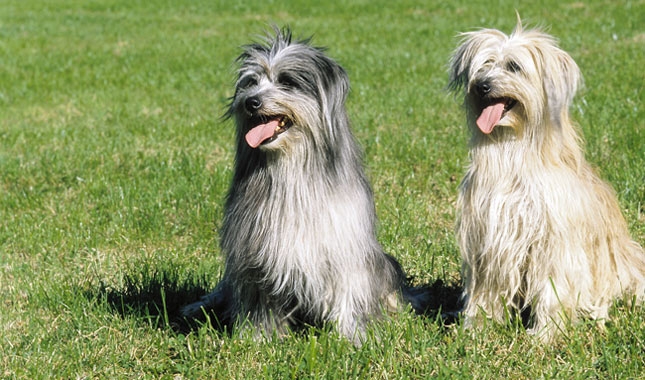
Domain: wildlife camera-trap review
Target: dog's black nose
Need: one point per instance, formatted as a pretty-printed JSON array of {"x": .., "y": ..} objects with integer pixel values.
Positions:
[
  {"x": 482, "y": 88},
  {"x": 253, "y": 103}
]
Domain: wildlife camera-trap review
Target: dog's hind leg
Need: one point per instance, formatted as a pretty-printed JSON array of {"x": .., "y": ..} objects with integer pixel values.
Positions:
[
  {"x": 553, "y": 308},
  {"x": 263, "y": 323}
]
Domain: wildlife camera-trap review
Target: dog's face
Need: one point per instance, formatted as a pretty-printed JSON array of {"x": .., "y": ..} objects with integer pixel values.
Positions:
[
  {"x": 287, "y": 93},
  {"x": 521, "y": 81}
]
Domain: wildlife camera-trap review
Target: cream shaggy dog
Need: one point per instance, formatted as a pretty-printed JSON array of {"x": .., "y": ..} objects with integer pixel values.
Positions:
[{"x": 538, "y": 229}]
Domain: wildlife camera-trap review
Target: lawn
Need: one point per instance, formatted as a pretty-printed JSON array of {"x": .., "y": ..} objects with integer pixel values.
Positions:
[{"x": 114, "y": 163}]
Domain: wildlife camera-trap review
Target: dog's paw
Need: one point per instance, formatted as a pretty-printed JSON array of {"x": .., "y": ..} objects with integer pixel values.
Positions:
[{"x": 192, "y": 310}]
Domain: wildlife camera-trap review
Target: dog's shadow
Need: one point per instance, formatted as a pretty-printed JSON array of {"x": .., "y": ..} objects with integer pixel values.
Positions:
[{"x": 157, "y": 300}]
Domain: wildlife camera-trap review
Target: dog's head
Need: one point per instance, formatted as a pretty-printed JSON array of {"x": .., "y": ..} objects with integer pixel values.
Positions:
[
  {"x": 287, "y": 93},
  {"x": 521, "y": 81}
]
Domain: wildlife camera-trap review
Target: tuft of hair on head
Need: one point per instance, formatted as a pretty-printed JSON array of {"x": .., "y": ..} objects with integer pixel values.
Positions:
[
  {"x": 518, "y": 27},
  {"x": 279, "y": 39}
]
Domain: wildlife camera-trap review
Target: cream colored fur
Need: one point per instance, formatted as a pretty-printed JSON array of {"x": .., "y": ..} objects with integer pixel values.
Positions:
[{"x": 537, "y": 227}]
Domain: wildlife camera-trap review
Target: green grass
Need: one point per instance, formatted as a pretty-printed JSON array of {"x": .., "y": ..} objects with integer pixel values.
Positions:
[{"x": 114, "y": 164}]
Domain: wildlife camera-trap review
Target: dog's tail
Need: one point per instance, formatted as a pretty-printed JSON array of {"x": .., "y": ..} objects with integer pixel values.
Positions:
[
  {"x": 434, "y": 298},
  {"x": 419, "y": 297}
]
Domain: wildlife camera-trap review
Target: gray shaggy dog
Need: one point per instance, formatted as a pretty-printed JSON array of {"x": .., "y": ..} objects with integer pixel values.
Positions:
[{"x": 299, "y": 229}]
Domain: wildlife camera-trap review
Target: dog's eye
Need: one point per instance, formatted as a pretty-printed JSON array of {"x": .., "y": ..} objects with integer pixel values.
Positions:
[
  {"x": 247, "y": 82},
  {"x": 513, "y": 67},
  {"x": 287, "y": 81}
]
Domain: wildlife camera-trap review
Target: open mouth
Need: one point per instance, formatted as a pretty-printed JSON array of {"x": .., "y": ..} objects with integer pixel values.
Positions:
[
  {"x": 266, "y": 129},
  {"x": 508, "y": 104},
  {"x": 493, "y": 111}
]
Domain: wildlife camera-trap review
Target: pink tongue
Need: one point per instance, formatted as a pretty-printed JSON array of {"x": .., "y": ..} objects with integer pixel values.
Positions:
[
  {"x": 490, "y": 117},
  {"x": 255, "y": 136}
]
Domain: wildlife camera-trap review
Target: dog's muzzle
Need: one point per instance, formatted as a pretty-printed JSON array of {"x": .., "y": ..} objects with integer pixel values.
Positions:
[
  {"x": 252, "y": 104},
  {"x": 491, "y": 108},
  {"x": 482, "y": 88}
]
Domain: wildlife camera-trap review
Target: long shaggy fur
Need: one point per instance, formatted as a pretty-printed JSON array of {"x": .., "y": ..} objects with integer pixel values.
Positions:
[
  {"x": 299, "y": 226},
  {"x": 538, "y": 229}
]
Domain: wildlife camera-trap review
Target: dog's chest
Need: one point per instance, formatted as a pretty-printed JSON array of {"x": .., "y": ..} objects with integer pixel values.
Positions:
[
  {"x": 299, "y": 242},
  {"x": 521, "y": 200},
  {"x": 298, "y": 227}
]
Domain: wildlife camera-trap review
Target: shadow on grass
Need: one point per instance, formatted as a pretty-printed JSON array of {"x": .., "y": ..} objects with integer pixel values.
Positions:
[
  {"x": 445, "y": 303},
  {"x": 157, "y": 297}
]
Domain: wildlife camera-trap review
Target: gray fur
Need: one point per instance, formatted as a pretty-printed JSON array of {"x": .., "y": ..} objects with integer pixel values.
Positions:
[{"x": 299, "y": 227}]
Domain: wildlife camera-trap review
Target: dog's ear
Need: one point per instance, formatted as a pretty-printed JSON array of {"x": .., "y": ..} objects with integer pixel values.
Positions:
[
  {"x": 335, "y": 83},
  {"x": 338, "y": 88},
  {"x": 561, "y": 79},
  {"x": 463, "y": 59},
  {"x": 460, "y": 62}
]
